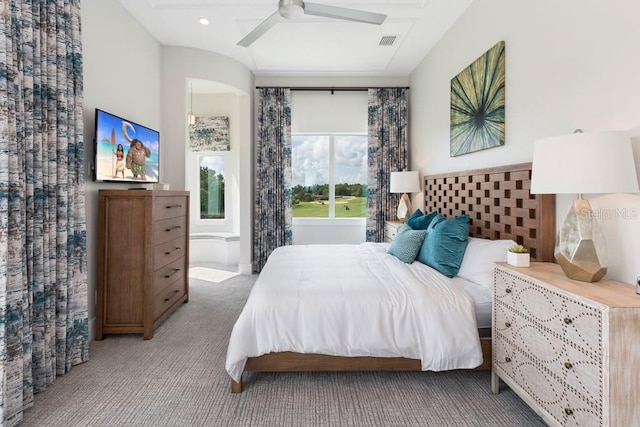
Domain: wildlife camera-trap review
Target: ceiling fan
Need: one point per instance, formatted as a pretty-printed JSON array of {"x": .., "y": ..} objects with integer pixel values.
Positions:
[{"x": 289, "y": 9}]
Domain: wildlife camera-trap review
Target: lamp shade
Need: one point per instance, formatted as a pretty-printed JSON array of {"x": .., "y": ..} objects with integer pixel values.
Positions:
[
  {"x": 584, "y": 163},
  {"x": 404, "y": 182}
]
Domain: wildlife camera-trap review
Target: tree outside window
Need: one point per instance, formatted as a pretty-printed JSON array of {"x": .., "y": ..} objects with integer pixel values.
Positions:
[{"x": 212, "y": 186}]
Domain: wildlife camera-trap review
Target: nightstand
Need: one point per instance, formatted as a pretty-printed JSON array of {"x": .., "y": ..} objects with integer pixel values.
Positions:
[
  {"x": 391, "y": 229},
  {"x": 569, "y": 349}
]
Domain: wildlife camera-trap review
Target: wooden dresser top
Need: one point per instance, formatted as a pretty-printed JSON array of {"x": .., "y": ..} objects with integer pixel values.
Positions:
[{"x": 606, "y": 291}]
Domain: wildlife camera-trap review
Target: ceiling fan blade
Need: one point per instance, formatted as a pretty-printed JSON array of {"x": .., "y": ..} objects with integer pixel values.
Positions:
[
  {"x": 260, "y": 30},
  {"x": 327, "y": 11}
]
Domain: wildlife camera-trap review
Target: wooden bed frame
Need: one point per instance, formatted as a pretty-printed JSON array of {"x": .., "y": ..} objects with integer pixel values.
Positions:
[{"x": 499, "y": 205}]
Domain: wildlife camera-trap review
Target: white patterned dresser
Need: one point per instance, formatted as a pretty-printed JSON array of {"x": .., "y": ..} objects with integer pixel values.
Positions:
[
  {"x": 391, "y": 230},
  {"x": 569, "y": 349}
]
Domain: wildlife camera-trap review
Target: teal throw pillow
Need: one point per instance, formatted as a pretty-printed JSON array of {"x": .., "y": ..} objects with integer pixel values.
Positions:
[
  {"x": 407, "y": 243},
  {"x": 444, "y": 246},
  {"x": 416, "y": 214},
  {"x": 438, "y": 218},
  {"x": 422, "y": 222}
]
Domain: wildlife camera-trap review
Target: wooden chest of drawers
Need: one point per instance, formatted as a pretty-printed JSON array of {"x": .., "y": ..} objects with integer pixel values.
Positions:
[
  {"x": 143, "y": 259},
  {"x": 570, "y": 349}
]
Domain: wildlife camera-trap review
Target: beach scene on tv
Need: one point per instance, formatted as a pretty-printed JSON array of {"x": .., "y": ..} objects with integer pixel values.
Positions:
[{"x": 125, "y": 151}]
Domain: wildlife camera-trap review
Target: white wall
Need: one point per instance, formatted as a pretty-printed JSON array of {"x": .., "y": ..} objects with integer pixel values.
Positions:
[
  {"x": 121, "y": 70},
  {"x": 569, "y": 64},
  {"x": 180, "y": 64}
]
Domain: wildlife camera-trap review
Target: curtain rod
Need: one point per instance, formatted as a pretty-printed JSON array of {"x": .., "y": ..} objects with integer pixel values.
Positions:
[{"x": 332, "y": 89}]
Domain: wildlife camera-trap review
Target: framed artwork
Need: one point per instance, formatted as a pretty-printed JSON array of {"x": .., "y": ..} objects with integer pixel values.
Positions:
[
  {"x": 477, "y": 104},
  {"x": 209, "y": 134}
]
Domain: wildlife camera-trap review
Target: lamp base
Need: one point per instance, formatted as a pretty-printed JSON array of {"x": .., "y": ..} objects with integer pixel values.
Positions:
[
  {"x": 404, "y": 208},
  {"x": 581, "y": 250}
]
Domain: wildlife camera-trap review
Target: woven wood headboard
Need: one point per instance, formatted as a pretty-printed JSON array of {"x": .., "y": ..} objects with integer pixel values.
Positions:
[{"x": 499, "y": 205}]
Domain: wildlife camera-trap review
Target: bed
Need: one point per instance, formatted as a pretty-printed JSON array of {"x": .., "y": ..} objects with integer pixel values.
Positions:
[{"x": 499, "y": 206}]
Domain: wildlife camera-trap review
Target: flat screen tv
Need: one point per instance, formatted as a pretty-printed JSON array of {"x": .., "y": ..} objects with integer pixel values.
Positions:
[{"x": 125, "y": 151}]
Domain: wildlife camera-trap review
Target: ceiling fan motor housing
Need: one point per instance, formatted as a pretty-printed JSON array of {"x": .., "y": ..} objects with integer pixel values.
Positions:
[{"x": 291, "y": 8}]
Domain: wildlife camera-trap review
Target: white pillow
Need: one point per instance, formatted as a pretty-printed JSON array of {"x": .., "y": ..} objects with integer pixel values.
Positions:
[{"x": 477, "y": 263}]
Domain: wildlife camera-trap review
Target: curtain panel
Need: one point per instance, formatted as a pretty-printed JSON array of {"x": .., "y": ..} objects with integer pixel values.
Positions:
[
  {"x": 388, "y": 152},
  {"x": 43, "y": 280},
  {"x": 273, "y": 214}
]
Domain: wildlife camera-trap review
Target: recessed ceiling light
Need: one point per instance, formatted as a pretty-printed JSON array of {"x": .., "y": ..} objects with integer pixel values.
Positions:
[{"x": 204, "y": 21}]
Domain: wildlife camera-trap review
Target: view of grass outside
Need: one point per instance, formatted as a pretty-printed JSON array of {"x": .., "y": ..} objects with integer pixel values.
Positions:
[
  {"x": 346, "y": 207},
  {"x": 326, "y": 166},
  {"x": 212, "y": 187},
  {"x": 313, "y": 202}
]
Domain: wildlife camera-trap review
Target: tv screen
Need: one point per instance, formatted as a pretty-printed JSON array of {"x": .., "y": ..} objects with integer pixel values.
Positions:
[{"x": 125, "y": 151}]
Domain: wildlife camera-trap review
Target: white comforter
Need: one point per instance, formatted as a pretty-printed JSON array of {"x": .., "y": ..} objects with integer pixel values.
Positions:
[{"x": 355, "y": 300}]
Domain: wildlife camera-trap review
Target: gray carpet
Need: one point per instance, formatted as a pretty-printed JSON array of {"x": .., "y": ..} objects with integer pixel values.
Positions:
[{"x": 178, "y": 379}]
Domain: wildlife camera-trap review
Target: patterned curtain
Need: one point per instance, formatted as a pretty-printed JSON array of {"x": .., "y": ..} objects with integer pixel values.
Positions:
[
  {"x": 273, "y": 174},
  {"x": 43, "y": 282},
  {"x": 388, "y": 152}
]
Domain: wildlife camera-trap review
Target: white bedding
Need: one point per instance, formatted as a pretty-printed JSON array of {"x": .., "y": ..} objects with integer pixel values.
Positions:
[
  {"x": 481, "y": 296},
  {"x": 355, "y": 300}
]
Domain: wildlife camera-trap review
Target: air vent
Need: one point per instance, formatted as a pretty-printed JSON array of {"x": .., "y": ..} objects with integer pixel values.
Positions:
[{"x": 387, "y": 40}]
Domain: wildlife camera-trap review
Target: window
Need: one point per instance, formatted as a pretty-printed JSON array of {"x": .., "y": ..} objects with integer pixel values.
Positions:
[
  {"x": 329, "y": 176},
  {"x": 211, "y": 186}
]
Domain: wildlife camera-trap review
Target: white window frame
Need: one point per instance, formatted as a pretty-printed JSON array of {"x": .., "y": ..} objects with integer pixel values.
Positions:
[
  {"x": 331, "y": 219},
  {"x": 193, "y": 158}
]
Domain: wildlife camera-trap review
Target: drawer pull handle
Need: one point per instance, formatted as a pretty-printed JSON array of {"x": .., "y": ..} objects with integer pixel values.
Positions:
[
  {"x": 507, "y": 359},
  {"x": 507, "y": 324},
  {"x": 173, "y": 206},
  {"x": 508, "y": 290},
  {"x": 568, "y": 365},
  {"x": 172, "y": 251},
  {"x": 568, "y": 321},
  {"x": 568, "y": 411},
  {"x": 172, "y": 295},
  {"x": 175, "y": 270},
  {"x": 175, "y": 227}
]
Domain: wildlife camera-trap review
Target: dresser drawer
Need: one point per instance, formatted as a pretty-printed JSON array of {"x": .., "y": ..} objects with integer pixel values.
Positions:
[
  {"x": 543, "y": 348},
  {"x": 547, "y": 390},
  {"x": 169, "y": 207},
  {"x": 505, "y": 321},
  {"x": 575, "y": 411},
  {"x": 390, "y": 231},
  {"x": 166, "y": 297},
  {"x": 168, "y": 273},
  {"x": 582, "y": 325},
  {"x": 541, "y": 306},
  {"x": 567, "y": 320},
  {"x": 168, "y": 252},
  {"x": 168, "y": 229},
  {"x": 504, "y": 354},
  {"x": 563, "y": 317},
  {"x": 506, "y": 288},
  {"x": 582, "y": 374}
]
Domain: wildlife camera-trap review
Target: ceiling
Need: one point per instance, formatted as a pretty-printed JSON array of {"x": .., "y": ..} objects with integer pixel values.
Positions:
[{"x": 307, "y": 46}]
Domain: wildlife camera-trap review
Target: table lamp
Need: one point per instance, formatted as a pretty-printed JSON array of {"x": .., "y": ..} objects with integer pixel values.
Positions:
[
  {"x": 404, "y": 182},
  {"x": 583, "y": 163}
]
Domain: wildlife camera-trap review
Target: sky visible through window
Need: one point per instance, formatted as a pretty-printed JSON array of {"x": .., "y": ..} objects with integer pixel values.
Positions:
[
  {"x": 310, "y": 159},
  {"x": 213, "y": 162}
]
